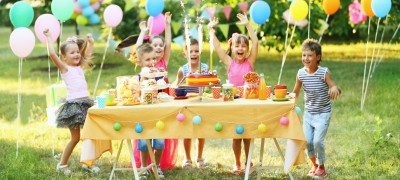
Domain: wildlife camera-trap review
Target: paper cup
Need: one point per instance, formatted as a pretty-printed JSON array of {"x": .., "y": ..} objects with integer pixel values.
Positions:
[
  {"x": 172, "y": 91},
  {"x": 155, "y": 92},
  {"x": 216, "y": 91},
  {"x": 101, "y": 102},
  {"x": 269, "y": 91},
  {"x": 240, "y": 90}
]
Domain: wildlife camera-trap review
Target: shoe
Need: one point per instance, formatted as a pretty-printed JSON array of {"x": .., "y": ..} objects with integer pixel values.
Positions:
[
  {"x": 201, "y": 163},
  {"x": 319, "y": 173},
  {"x": 236, "y": 171},
  {"x": 93, "y": 169},
  {"x": 64, "y": 169},
  {"x": 187, "y": 164},
  {"x": 160, "y": 173},
  {"x": 312, "y": 171},
  {"x": 252, "y": 168},
  {"x": 144, "y": 175}
]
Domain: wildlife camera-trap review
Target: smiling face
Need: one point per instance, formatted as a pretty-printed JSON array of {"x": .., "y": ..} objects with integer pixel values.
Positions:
[
  {"x": 148, "y": 59},
  {"x": 194, "y": 53},
  {"x": 158, "y": 45},
  {"x": 310, "y": 59},
  {"x": 240, "y": 48},
  {"x": 71, "y": 54}
]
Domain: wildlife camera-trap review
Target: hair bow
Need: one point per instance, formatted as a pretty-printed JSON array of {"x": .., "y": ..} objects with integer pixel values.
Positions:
[
  {"x": 234, "y": 35},
  {"x": 72, "y": 39},
  {"x": 146, "y": 37}
]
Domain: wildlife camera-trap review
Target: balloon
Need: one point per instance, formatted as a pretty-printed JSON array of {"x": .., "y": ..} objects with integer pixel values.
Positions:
[
  {"x": 298, "y": 110},
  {"x": 94, "y": 19},
  {"x": 239, "y": 129},
  {"x": 160, "y": 125},
  {"x": 138, "y": 128},
  {"x": 156, "y": 24},
  {"x": 262, "y": 128},
  {"x": 93, "y": 1},
  {"x": 196, "y": 120},
  {"x": 154, "y": 7},
  {"x": 381, "y": 7},
  {"x": 298, "y": 9},
  {"x": 331, "y": 6},
  {"x": 113, "y": 15},
  {"x": 77, "y": 8},
  {"x": 366, "y": 7},
  {"x": 62, "y": 9},
  {"x": 47, "y": 21},
  {"x": 95, "y": 6},
  {"x": 88, "y": 11},
  {"x": 21, "y": 14},
  {"x": 84, "y": 3},
  {"x": 180, "y": 117},
  {"x": 218, "y": 127},
  {"x": 260, "y": 12},
  {"x": 356, "y": 13},
  {"x": 74, "y": 15},
  {"x": 81, "y": 20},
  {"x": 117, "y": 126},
  {"x": 284, "y": 121},
  {"x": 22, "y": 41}
]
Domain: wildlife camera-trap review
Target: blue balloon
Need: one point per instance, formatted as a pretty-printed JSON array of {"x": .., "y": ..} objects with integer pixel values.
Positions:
[
  {"x": 298, "y": 110},
  {"x": 84, "y": 3},
  {"x": 381, "y": 7},
  {"x": 94, "y": 19},
  {"x": 196, "y": 120},
  {"x": 154, "y": 7},
  {"x": 138, "y": 128},
  {"x": 87, "y": 11},
  {"x": 239, "y": 129},
  {"x": 260, "y": 12}
]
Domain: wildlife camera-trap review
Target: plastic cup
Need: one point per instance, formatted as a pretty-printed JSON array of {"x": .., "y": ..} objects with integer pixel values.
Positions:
[
  {"x": 240, "y": 90},
  {"x": 101, "y": 102},
  {"x": 216, "y": 91},
  {"x": 109, "y": 99}
]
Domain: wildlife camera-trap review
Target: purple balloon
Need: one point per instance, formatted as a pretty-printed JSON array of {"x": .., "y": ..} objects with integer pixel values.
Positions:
[
  {"x": 22, "y": 41},
  {"x": 156, "y": 24},
  {"x": 47, "y": 21}
]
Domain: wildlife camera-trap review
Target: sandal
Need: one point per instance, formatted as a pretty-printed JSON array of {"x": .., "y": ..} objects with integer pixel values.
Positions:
[
  {"x": 64, "y": 169},
  {"x": 252, "y": 168},
  {"x": 312, "y": 171},
  {"x": 201, "y": 163},
  {"x": 187, "y": 164},
  {"x": 236, "y": 171},
  {"x": 93, "y": 169}
]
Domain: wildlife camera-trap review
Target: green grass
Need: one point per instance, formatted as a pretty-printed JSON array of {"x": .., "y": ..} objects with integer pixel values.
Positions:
[{"x": 360, "y": 144}]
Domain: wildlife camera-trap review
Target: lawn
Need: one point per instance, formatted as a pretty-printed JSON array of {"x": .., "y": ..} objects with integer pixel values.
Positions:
[{"x": 360, "y": 144}]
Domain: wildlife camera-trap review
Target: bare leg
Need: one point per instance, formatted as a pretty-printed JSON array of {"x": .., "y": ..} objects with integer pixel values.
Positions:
[
  {"x": 200, "y": 148},
  {"x": 144, "y": 155},
  {"x": 158, "y": 154},
  {"x": 75, "y": 137},
  {"x": 246, "y": 143},
  {"x": 187, "y": 144},
  {"x": 237, "y": 150}
]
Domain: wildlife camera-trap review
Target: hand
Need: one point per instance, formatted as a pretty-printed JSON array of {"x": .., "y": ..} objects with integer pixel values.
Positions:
[
  {"x": 89, "y": 38},
  {"x": 243, "y": 19},
  {"x": 143, "y": 26},
  {"x": 168, "y": 17},
  {"x": 334, "y": 92},
  {"x": 46, "y": 32},
  {"x": 213, "y": 23}
]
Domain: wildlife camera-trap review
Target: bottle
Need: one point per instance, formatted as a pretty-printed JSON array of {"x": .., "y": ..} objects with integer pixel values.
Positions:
[{"x": 262, "y": 88}]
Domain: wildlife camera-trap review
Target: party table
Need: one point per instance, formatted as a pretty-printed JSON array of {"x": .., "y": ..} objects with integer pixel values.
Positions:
[{"x": 239, "y": 119}]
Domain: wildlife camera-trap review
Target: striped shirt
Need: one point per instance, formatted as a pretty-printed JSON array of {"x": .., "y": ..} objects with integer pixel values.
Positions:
[
  {"x": 185, "y": 70},
  {"x": 316, "y": 90}
]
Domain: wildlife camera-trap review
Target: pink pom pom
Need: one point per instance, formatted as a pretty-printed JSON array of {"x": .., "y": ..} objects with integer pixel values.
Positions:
[
  {"x": 284, "y": 121},
  {"x": 180, "y": 117}
]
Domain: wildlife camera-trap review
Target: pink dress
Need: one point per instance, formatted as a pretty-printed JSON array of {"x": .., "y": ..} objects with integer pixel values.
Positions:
[
  {"x": 169, "y": 155},
  {"x": 237, "y": 70}
]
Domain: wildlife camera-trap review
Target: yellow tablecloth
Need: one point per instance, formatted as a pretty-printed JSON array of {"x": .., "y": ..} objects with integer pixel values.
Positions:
[{"x": 248, "y": 113}]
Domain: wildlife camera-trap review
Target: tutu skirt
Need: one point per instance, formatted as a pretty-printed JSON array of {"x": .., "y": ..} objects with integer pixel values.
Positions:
[{"x": 72, "y": 114}]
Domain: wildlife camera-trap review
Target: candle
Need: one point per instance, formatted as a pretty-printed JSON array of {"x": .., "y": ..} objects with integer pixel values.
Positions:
[
  {"x": 211, "y": 49},
  {"x": 200, "y": 34},
  {"x": 187, "y": 43}
]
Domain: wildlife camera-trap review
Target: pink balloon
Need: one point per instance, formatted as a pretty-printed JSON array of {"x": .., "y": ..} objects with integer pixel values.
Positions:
[
  {"x": 95, "y": 6},
  {"x": 77, "y": 8},
  {"x": 113, "y": 15},
  {"x": 156, "y": 24},
  {"x": 284, "y": 121},
  {"x": 180, "y": 117},
  {"x": 47, "y": 21},
  {"x": 22, "y": 41}
]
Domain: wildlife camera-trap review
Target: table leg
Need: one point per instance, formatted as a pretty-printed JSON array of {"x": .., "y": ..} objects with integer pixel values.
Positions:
[
  {"x": 283, "y": 157},
  {"x": 246, "y": 177},
  {"x": 261, "y": 157},
  {"x": 153, "y": 159},
  {"x": 116, "y": 159},
  {"x": 132, "y": 159}
]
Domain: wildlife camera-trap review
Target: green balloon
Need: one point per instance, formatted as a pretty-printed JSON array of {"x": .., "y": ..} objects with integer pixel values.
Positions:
[
  {"x": 62, "y": 9},
  {"x": 81, "y": 20},
  {"x": 21, "y": 14}
]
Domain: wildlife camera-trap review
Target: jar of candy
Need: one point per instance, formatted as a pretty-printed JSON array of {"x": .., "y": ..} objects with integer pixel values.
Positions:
[
  {"x": 227, "y": 91},
  {"x": 147, "y": 96}
]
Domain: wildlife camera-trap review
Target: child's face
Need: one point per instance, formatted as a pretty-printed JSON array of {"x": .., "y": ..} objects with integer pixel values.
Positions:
[
  {"x": 309, "y": 59},
  {"x": 240, "y": 50},
  {"x": 148, "y": 59},
  {"x": 72, "y": 55},
  {"x": 158, "y": 46},
  {"x": 194, "y": 53}
]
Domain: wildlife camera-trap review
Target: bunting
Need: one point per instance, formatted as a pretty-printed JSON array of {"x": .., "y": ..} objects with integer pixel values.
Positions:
[
  {"x": 211, "y": 12},
  {"x": 179, "y": 40},
  {"x": 227, "y": 11},
  {"x": 224, "y": 29},
  {"x": 244, "y": 6},
  {"x": 175, "y": 27}
]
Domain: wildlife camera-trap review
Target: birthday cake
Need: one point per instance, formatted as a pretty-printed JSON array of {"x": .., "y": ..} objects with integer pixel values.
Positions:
[{"x": 202, "y": 79}]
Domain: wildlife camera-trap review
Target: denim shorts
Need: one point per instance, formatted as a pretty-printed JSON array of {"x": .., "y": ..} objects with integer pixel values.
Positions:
[{"x": 155, "y": 143}]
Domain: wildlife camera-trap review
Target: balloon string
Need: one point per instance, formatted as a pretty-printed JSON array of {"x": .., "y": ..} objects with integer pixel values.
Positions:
[
  {"x": 19, "y": 103},
  {"x": 287, "y": 31},
  {"x": 390, "y": 42},
  {"x": 380, "y": 45},
  {"x": 323, "y": 30},
  {"x": 309, "y": 18},
  {"x": 102, "y": 62},
  {"x": 372, "y": 61},
  {"x": 284, "y": 56},
  {"x": 59, "y": 51},
  {"x": 48, "y": 62},
  {"x": 365, "y": 66}
]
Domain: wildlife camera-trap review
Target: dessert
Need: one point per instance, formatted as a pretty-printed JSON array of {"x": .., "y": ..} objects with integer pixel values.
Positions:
[
  {"x": 202, "y": 79},
  {"x": 153, "y": 72},
  {"x": 128, "y": 90}
]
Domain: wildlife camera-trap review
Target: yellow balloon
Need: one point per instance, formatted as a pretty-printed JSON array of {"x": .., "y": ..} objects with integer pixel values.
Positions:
[
  {"x": 298, "y": 9},
  {"x": 92, "y": 1},
  {"x": 160, "y": 125},
  {"x": 74, "y": 15},
  {"x": 81, "y": 20},
  {"x": 262, "y": 128}
]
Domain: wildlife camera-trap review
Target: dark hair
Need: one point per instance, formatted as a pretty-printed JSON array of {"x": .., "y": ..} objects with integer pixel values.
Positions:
[
  {"x": 237, "y": 39},
  {"x": 192, "y": 42},
  {"x": 313, "y": 45},
  {"x": 82, "y": 45}
]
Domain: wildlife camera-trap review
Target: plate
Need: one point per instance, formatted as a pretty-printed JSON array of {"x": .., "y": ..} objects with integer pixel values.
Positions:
[
  {"x": 112, "y": 104},
  {"x": 181, "y": 97},
  {"x": 129, "y": 104},
  {"x": 280, "y": 99}
]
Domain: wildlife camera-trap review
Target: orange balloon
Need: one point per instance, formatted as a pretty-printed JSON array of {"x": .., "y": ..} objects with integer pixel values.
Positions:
[
  {"x": 367, "y": 8},
  {"x": 331, "y": 6}
]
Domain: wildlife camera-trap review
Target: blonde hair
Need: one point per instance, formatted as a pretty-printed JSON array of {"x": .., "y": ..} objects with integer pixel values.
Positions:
[{"x": 82, "y": 45}]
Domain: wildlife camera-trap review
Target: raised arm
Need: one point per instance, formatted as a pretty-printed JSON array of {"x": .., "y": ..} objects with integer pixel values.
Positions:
[
  {"x": 253, "y": 37},
  {"x": 53, "y": 56},
  {"x": 334, "y": 91},
  {"x": 143, "y": 30},
  {"x": 220, "y": 52},
  {"x": 89, "y": 49},
  {"x": 168, "y": 37}
]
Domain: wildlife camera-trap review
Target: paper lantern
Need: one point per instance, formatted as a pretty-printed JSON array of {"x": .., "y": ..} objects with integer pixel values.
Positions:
[
  {"x": 298, "y": 110},
  {"x": 160, "y": 125},
  {"x": 239, "y": 129},
  {"x": 262, "y": 128},
  {"x": 117, "y": 126},
  {"x": 284, "y": 121},
  {"x": 196, "y": 120},
  {"x": 218, "y": 127},
  {"x": 180, "y": 117},
  {"x": 139, "y": 128}
]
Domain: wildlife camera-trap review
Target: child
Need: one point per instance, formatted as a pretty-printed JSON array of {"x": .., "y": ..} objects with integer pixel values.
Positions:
[
  {"x": 72, "y": 114},
  {"x": 183, "y": 72},
  {"x": 237, "y": 66},
  {"x": 319, "y": 88}
]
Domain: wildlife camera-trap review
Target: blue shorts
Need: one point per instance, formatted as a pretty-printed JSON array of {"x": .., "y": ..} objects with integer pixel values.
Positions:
[{"x": 155, "y": 143}]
